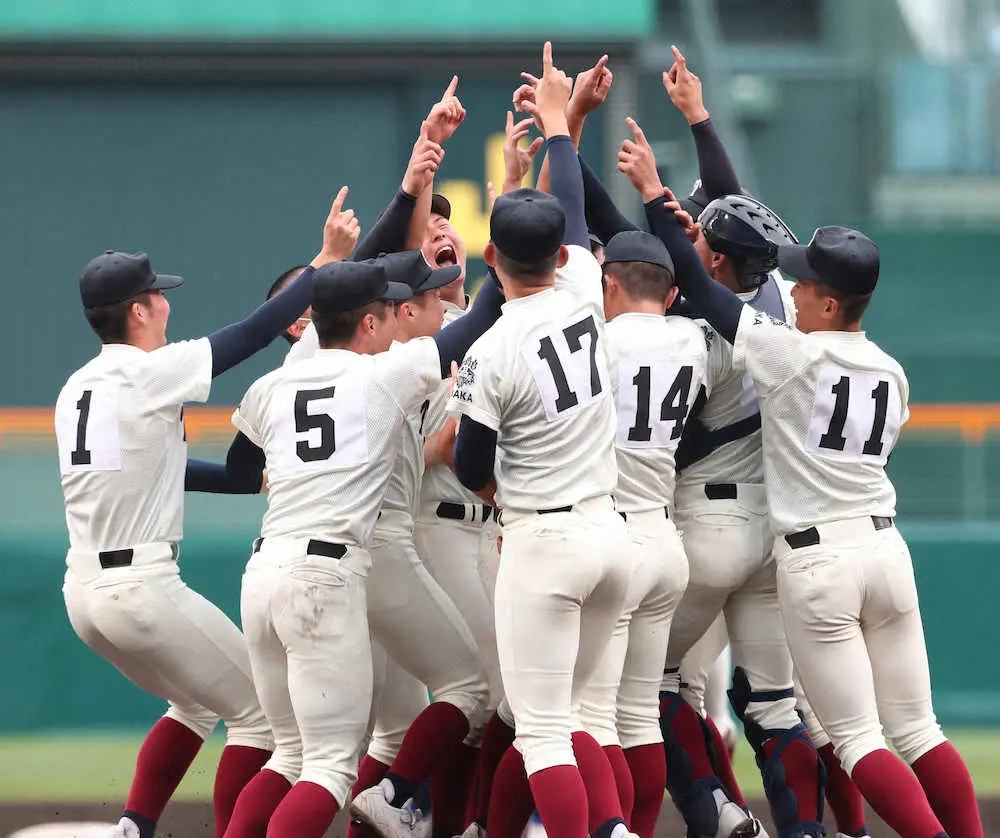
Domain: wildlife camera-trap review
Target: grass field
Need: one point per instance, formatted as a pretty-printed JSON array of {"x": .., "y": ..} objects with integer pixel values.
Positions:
[{"x": 85, "y": 767}]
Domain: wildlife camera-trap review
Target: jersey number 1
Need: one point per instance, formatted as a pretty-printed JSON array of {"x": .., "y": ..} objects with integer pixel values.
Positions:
[
  {"x": 834, "y": 438},
  {"x": 80, "y": 456}
]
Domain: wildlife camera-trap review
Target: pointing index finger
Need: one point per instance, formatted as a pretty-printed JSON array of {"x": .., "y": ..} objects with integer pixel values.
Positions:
[
  {"x": 547, "y": 56},
  {"x": 338, "y": 202},
  {"x": 678, "y": 55},
  {"x": 637, "y": 132},
  {"x": 452, "y": 86}
]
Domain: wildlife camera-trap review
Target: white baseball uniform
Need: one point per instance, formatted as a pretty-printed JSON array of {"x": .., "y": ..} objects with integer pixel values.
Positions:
[
  {"x": 657, "y": 367},
  {"x": 540, "y": 379},
  {"x": 330, "y": 428},
  {"x": 832, "y": 406},
  {"x": 122, "y": 455}
]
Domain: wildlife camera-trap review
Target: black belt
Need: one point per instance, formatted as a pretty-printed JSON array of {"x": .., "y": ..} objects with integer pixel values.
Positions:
[
  {"x": 557, "y": 509},
  {"x": 315, "y": 547},
  {"x": 456, "y": 511},
  {"x": 666, "y": 514},
  {"x": 123, "y": 558},
  {"x": 810, "y": 537},
  {"x": 720, "y": 491}
]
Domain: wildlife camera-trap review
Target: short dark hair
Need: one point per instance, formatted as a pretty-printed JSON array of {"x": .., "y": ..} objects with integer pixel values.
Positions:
[
  {"x": 852, "y": 306},
  {"x": 541, "y": 269},
  {"x": 338, "y": 327},
  {"x": 111, "y": 322},
  {"x": 642, "y": 280}
]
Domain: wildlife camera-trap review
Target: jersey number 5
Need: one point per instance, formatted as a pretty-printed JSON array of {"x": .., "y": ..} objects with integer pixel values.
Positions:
[{"x": 306, "y": 422}]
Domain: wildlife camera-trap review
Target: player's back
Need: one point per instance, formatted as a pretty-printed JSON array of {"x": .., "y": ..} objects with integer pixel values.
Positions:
[
  {"x": 122, "y": 449},
  {"x": 657, "y": 366},
  {"x": 329, "y": 426},
  {"x": 540, "y": 377}
]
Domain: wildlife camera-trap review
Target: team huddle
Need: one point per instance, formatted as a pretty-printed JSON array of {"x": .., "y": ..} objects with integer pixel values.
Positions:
[{"x": 507, "y": 539}]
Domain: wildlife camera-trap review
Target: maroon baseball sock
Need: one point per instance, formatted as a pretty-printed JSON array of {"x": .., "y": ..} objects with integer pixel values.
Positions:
[
  {"x": 945, "y": 778},
  {"x": 306, "y": 812},
  {"x": 165, "y": 756},
  {"x": 433, "y": 740},
  {"x": 371, "y": 772},
  {"x": 237, "y": 766},
  {"x": 497, "y": 738},
  {"x": 623, "y": 779},
  {"x": 450, "y": 791},
  {"x": 648, "y": 765},
  {"x": 690, "y": 737},
  {"x": 561, "y": 800},
  {"x": 598, "y": 780},
  {"x": 895, "y": 794},
  {"x": 511, "y": 803},
  {"x": 846, "y": 802},
  {"x": 724, "y": 765},
  {"x": 801, "y": 764},
  {"x": 256, "y": 803}
]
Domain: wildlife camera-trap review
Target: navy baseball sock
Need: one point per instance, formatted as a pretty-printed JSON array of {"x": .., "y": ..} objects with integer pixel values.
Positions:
[
  {"x": 607, "y": 829},
  {"x": 147, "y": 828},
  {"x": 402, "y": 789}
]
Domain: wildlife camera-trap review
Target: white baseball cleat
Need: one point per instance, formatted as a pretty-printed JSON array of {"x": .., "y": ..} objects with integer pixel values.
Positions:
[
  {"x": 373, "y": 809},
  {"x": 474, "y": 830},
  {"x": 125, "y": 828},
  {"x": 735, "y": 823}
]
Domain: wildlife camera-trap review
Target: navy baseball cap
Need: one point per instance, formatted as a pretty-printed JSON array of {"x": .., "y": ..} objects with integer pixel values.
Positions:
[
  {"x": 527, "y": 225},
  {"x": 594, "y": 239},
  {"x": 410, "y": 268},
  {"x": 440, "y": 205},
  {"x": 345, "y": 286},
  {"x": 836, "y": 256},
  {"x": 638, "y": 246},
  {"x": 114, "y": 277}
]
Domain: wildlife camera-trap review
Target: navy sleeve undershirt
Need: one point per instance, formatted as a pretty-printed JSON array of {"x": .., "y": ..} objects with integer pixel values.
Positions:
[
  {"x": 603, "y": 217},
  {"x": 566, "y": 183},
  {"x": 718, "y": 177},
  {"x": 475, "y": 453},
  {"x": 390, "y": 231},
  {"x": 454, "y": 340},
  {"x": 716, "y": 303},
  {"x": 241, "y": 474},
  {"x": 236, "y": 342}
]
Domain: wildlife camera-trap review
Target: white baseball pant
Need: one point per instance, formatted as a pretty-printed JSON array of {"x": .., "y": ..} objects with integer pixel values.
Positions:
[
  {"x": 397, "y": 700},
  {"x": 307, "y": 631},
  {"x": 168, "y": 640},
  {"x": 559, "y": 594},
  {"x": 850, "y": 609},
  {"x": 698, "y": 665},
  {"x": 620, "y": 703}
]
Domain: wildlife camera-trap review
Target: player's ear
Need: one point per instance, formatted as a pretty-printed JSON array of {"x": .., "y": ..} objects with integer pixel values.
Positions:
[
  {"x": 490, "y": 254},
  {"x": 563, "y": 256},
  {"x": 671, "y": 296}
]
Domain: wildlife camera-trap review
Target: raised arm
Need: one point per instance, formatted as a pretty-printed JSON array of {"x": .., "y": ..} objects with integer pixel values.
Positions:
[
  {"x": 235, "y": 343},
  {"x": 718, "y": 177},
  {"x": 241, "y": 474},
  {"x": 603, "y": 216},
  {"x": 454, "y": 340}
]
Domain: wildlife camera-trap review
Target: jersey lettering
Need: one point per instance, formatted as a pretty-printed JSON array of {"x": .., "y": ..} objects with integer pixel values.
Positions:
[
  {"x": 87, "y": 430},
  {"x": 323, "y": 425},
  {"x": 856, "y": 415},
  {"x": 566, "y": 376},
  {"x": 654, "y": 399}
]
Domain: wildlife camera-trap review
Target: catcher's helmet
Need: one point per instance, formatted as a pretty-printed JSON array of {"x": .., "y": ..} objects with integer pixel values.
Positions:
[{"x": 745, "y": 230}]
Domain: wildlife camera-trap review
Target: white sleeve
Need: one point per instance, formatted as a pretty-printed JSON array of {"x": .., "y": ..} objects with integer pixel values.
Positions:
[
  {"x": 719, "y": 361},
  {"x": 304, "y": 347},
  {"x": 477, "y": 388},
  {"x": 177, "y": 373},
  {"x": 582, "y": 275},
  {"x": 785, "y": 290},
  {"x": 767, "y": 348},
  {"x": 409, "y": 372},
  {"x": 246, "y": 417}
]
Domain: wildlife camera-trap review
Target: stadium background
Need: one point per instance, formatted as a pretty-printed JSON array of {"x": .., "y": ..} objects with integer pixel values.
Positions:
[{"x": 213, "y": 135}]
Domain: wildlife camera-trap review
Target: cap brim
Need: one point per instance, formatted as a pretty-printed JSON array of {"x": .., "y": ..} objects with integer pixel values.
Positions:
[
  {"x": 793, "y": 260},
  {"x": 691, "y": 207},
  {"x": 439, "y": 278},
  {"x": 397, "y": 292},
  {"x": 164, "y": 281},
  {"x": 440, "y": 205}
]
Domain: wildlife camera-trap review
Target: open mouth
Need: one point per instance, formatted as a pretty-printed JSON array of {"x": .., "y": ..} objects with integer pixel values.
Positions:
[{"x": 446, "y": 257}]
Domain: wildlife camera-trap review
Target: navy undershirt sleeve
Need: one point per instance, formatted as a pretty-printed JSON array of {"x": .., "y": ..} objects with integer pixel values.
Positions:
[
  {"x": 475, "y": 453},
  {"x": 566, "y": 183},
  {"x": 718, "y": 177},
  {"x": 603, "y": 217},
  {"x": 241, "y": 474},
  {"x": 454, "y": 340},
  {"x": 716, "y": 303},
  {"x": 390, "y": 231},
  {"x": 235, "y": 343}
]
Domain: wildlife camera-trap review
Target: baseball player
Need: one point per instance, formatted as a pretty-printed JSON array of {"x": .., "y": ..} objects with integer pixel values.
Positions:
[
  {"x": 539, "y": 383},
  {"x": 329, "y": 428},
  {"x": 122, "y": 453},
  {"x": 832, "y": 406}
]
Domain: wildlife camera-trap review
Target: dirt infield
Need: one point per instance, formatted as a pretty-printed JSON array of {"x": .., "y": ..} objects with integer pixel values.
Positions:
[{"x": 194, "y": 820}]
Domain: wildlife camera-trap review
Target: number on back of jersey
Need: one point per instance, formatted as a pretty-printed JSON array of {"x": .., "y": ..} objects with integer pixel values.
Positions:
[
  {"x": 87, "y": 429},
  {"x": 856, "y": 415},
  {"x": 654, "y": 398},
  {"x": 568, "y": 366},
  {"x": 325, "y": 426}
]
